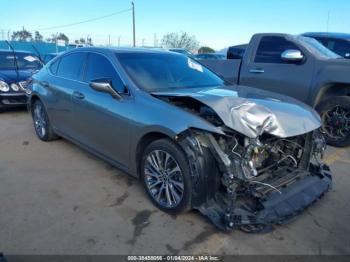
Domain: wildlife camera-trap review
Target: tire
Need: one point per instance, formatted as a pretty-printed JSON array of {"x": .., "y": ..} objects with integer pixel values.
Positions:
[
  {"x": 42, "y": 126},
  {"x": 166, "y": 176},
  {"x": 335, "y": 115}
]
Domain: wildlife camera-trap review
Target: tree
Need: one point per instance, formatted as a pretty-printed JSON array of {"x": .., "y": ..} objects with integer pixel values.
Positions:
[
  {"x": 180, "y": 40},
  {"x": 205, "y": 50},
  {"x": 22, "y": 35},
  {"x": 82, "y": 41},
  {"x": 55, "y": 37},
  {"x": 62, "y": 36},
  {"x": 38, "y": 37},
  {"x": 89, "y": 41}
]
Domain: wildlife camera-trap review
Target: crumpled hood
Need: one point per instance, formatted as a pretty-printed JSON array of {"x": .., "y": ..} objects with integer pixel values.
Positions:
[
  {"x": 10, "y": 76},
  {"x": 252, "y": 111}
]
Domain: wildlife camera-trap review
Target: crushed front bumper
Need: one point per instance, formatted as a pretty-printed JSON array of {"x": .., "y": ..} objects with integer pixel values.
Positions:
[{"x": 278, "y": 207}]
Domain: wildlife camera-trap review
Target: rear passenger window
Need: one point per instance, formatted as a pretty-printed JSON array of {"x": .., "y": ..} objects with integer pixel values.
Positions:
[
  {"x": 271, "y": 48},
  {"x": 340, "y": 47},
  {"x": 71, "y": 66},
  {"x": 99, "y": 67}
]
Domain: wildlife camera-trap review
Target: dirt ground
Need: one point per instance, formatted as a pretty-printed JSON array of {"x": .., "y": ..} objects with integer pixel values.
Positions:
[{"x": 57, "y": 199}]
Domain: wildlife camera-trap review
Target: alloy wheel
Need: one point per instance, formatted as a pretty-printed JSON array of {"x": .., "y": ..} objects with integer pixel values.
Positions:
[
  {"x": 164, "y": 178},
  {"x": 336, "y": 122},
  {"x": 39, "y": 119}
]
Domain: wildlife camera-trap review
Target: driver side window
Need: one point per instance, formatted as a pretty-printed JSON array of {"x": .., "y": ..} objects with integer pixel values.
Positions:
[
  {"x": 271, "y": 48},
  {"x": 99, "y": 67}
]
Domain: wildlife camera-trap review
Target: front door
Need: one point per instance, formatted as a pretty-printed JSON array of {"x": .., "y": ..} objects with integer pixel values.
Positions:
[
  {"x": 266, "y": 69},
  {"x": 101, "y": 120}
]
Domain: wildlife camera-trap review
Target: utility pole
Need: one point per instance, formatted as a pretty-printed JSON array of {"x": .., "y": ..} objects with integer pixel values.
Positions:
[
  {"x": 109, "y": 40},
  {"x": 119, "y": 41},
  {"x": 133, "y": 24}
]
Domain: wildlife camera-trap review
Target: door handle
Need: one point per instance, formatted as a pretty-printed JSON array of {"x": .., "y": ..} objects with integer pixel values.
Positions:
[
  {"x": 45, "y": 84},
  {"x": 78, "y": 95},
  {"x": 257, "y": 71}
]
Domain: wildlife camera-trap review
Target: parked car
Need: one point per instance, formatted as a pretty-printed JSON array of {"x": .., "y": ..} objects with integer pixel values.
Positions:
[
  {"x": 234, "y": 153},
  {"x": 236, "y": 52},
  {"x": 210, "y": 56},
  {"x": 339, "y": 43},
  {"x": 15, "y": 69},
  {"x": 299, "y": 67}
]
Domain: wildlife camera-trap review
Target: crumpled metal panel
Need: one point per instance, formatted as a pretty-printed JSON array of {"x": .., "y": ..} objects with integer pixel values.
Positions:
[{"x": 253, "y": 111}]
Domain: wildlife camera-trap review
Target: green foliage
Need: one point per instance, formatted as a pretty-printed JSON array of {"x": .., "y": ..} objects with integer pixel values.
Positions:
[
  {"x": 22, "y": 35},
  {"x": 38, "y": 37},
  {"x": 205, "y": 50}
]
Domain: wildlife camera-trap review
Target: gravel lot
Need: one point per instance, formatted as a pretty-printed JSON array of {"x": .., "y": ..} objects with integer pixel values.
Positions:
[{"x": 57, "y": 199}]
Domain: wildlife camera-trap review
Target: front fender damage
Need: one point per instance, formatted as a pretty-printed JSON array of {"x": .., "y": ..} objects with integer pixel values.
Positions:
[{"x": 235, "y": 190}]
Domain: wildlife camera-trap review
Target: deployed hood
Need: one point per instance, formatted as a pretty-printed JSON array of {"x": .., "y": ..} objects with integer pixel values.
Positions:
[
  {"x": 252, "y": 111},
  {"x": 11, "y": 75}
]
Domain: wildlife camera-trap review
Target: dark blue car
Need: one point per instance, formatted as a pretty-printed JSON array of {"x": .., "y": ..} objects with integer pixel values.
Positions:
[{"x": 15, "y": 69}]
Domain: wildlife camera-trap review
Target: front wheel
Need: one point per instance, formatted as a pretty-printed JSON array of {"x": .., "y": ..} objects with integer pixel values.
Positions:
[
  {"x": 43, "y": 128},
  {"x": 335, "y": 115},
  {"x": 166, "y": 176}
]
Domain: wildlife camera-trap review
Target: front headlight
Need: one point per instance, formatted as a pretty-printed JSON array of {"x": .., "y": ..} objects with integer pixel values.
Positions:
[
  {"x": 4, "y": 87},
  {"x": 14, "y": 87}
]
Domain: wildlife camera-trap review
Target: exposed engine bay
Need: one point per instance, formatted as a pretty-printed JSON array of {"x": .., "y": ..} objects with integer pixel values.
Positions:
[{"x": 251, "y": 183}]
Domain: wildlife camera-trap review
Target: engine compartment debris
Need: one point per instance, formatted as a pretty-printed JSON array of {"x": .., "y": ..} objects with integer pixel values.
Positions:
[{"x": 256, "y": 182}]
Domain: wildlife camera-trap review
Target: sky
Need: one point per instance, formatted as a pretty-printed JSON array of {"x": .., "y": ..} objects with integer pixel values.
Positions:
[{"x": 217, "y": 24}]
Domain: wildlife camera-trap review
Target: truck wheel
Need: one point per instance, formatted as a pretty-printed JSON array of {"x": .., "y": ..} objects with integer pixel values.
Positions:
[
  {"x": 335, "y": 115},
  {"x": 165, "y": 174}
]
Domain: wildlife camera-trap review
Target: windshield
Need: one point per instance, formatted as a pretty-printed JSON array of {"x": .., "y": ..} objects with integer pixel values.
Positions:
[
  {"x": 316, "y": 47},
  {"x": 24, "y": 61},
  {"x": 165, "y": 71}
]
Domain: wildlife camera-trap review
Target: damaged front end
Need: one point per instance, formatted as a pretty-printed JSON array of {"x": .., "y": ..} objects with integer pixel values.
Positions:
[
  {"x": 264, "y": 168},
  {"x": 252, "y": 183}
]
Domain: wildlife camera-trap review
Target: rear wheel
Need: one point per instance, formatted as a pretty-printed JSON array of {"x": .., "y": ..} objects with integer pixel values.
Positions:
[
  {"x": 335, "y": 115},
  {"x": 43, "y": 128},
  {"x": 166, "y": 176}
]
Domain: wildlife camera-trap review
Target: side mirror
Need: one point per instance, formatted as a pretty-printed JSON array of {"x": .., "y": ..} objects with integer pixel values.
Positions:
[
  {"x": 105, "y": 87},
  {"x": 292, "y": 55}
]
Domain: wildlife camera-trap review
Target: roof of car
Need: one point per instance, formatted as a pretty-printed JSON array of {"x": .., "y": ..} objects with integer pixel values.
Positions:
[
  {"x": 328, "y": 34},
  {"x": 120, "y": 50}
]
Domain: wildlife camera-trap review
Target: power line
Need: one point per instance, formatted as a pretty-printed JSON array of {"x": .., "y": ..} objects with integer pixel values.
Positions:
[{"x": 86, "y": 21}]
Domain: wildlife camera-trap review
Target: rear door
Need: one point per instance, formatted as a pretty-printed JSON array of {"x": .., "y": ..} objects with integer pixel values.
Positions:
[
  {"x": 265, "y": 69},
  {"x": 66, "y": 77}
]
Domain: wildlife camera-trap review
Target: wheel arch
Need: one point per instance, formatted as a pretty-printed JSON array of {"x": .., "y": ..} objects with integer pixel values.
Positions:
[
  {"x": 333, "y": 89},
  {"x": 31, "y": 101},
  {"x": 143, "y": 142}
]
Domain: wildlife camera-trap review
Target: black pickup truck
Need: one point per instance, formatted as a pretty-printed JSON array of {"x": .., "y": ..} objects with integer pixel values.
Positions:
[{"x": 300, "y": 67}]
